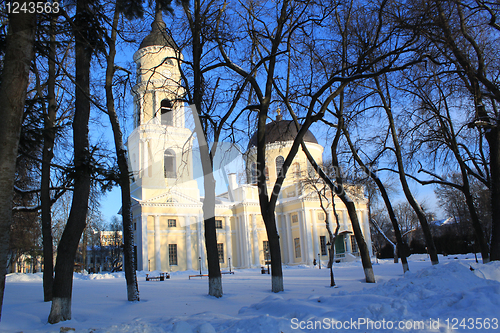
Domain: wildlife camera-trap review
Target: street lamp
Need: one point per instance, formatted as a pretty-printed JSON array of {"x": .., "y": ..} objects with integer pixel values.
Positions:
[
  {"x": 199, "y": 262},
  {"x": 319, "y": 260},
  {"x": 329, "y": 247}
]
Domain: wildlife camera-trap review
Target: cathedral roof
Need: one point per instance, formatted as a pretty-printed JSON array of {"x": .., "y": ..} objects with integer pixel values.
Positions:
[
  {"x": 280, "y": 131},
  {"x": 158, "y": 35}
]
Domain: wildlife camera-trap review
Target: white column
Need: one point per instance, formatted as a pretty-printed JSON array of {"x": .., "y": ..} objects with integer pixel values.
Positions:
[
  {"x": 238, "y": 240},
  {"x": 157, "y": 244},
  {"x": 144, "y": 243},
  {"x": 241, "y": 241},
  {"x": 203, "y": 245},
  {"x": 245, "y": 241},
  {"x": 291, "y": 243},
  {"x": 345, "y": 219},
  {"x": 347, "y": 236},
  {"x": 199, "y": 227},
  {"x": 144, "y": 157},
  {"x": 189, "y": 256},
  {"x": 314, "y": 215},
  {"x": 229, "y": 245},
  {"x": 284, "y": 238},
  {"x": 303, "y": 238},
  {"x": 255, "y": 242},
  {"x": 366, "y": 234}
]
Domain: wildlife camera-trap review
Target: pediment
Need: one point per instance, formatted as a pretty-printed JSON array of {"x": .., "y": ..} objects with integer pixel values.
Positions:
[{"x": 173, "y": 197}]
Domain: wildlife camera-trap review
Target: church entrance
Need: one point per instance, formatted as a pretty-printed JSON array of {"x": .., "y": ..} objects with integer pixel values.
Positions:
[{"x": 340, "y": 244}]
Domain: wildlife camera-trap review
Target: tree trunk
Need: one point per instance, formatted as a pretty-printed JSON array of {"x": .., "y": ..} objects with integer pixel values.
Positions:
[
  {"x": 66, "y": 251},
  {"x": 214, "y": 273},
  {"x": 469, "y": 200},
  {"x": 493, "y": 137},
  {"x": 398, "y": 250},
  {"x": 332, "y": 237},
  {"x": 431, "y": 248},
  {"x": 349, "y": 204},
  {"x": 275, "y": 252},
  {"x": 363, "y": 248},
  {"x": 14, "y": 82},
  {"x": 351, "y": 209},
  {"x": 121, "y": 156},
  {"x": 47, "y": 155},
  {"x": 267, "y": 210}
]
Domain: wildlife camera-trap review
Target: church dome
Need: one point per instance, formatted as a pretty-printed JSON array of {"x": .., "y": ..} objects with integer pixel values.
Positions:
[
  {"x": 280, "y": 131},
  {"x": 158, "y": 35}
]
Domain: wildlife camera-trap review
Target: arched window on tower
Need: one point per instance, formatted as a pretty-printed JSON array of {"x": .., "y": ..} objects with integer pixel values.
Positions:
[
  {"x": 253, "y": 173},
  {"x": 296, "y": 169},
  {"x": 311, "y": 173},
  {"x": 169, "y": 164},
  {"x": 167, "y": 114},
  {"x": 279, "y": 165}
]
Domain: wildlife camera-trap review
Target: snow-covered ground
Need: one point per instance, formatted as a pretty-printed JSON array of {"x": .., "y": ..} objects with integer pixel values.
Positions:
[{"x": 456, "y": 296}]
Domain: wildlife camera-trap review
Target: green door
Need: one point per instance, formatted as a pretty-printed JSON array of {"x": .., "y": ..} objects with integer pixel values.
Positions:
[{"x": 339, "y": 244}]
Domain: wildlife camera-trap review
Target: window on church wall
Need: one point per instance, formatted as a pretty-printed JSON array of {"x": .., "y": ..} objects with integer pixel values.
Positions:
[
  {"x": 354, "y": 245},
  {"x": 322, "y": 244},
  {"x": 138, "y": 73},
  {"x": 311, "y": 173},
  {"x": 220, "y": 252},
  {"x": 137, "y": 114},
  {"x": 167, "y": 114},
  {"x": 253, "y": 173},
  {"x": 296, "y": 242},
  {"x": 266, "y": 170},
  {"x": 295, "y": 218},
  {"x": 172, "y": 254},
  {"x": 321, "y": 216},
  {"x": 172, "y": 223},
  {"x": 265, "y": 249},
  {"x": 218, "y": 224},
  {"x": 296, "y": 169},
  {"x": 279, "y": 165},
  {"x": 169, "y": 164}
]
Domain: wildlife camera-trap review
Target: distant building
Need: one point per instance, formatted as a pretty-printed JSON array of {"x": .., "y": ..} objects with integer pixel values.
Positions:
[
  {"x": 114, "y": 238},
  {"x": 167, "y": 210},
  {"x": 104, "y": 252}
]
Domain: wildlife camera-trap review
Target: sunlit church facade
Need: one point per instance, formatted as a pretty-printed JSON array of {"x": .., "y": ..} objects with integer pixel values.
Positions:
[{"x": 167, "y": 207}]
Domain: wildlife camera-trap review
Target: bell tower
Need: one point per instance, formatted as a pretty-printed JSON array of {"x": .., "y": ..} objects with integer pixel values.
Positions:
[
  {"x": 160, "y": 146},
  {"x": 158, "y": 92}
]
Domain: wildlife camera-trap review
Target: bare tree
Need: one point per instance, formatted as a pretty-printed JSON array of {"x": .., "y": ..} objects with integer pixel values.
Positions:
[
  {"x": 338, "y": 189},
  {"x": 326, "y": 198},
  {"x": 124, "y": 176},
  {"x": 63, "y": 282},
  {"x": 439, "y": 132},
  {"x": 383, "y": 92},
  {"x": 197, "y": 95},
  {"x": 398, "y": 248},
  {"x": 289, "y": 42},
  {"x": 14, "y": 83},
  {"x": 48, "y": 154},
  {"x": 464, "y": 36}
]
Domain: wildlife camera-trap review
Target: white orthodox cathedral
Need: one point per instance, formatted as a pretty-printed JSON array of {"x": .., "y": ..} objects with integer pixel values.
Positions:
[{"x": 167, "y": 207}]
